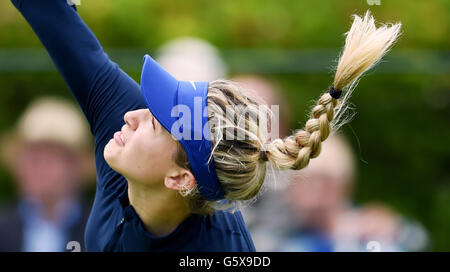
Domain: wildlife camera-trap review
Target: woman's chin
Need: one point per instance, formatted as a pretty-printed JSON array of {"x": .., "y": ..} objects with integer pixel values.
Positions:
[
  {"x": 114, "y": 157},
  {"x": 110, "y": 153}
]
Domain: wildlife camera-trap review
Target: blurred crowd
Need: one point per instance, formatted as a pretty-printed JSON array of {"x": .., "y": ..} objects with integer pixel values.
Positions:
[{"x": 49, "y": 155}]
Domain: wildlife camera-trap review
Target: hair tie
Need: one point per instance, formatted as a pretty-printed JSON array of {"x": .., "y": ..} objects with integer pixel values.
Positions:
[
  {"x": 263, "y": 155},
  {"x": 335, "y": 93}
]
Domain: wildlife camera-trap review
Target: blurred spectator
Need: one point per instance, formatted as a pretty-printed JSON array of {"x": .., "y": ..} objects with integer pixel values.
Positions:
[
  {"x": 319, "y": 196},
  {"x": 47, "y": 153},
  {"x": 266, "y": 223},
  {"x": 189, "y": 58},
  {"x": 325, "y": 219}
]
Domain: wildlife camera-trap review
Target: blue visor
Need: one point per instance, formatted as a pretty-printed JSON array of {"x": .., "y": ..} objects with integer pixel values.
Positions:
[{"x": 180, "y": 107}]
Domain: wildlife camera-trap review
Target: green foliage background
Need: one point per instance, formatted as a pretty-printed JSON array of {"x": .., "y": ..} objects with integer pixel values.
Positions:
[{"x": 401, "y": 132}]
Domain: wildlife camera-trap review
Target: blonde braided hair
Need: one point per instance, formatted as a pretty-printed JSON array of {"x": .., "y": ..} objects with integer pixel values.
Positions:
[{"x": 365, "y": 45}]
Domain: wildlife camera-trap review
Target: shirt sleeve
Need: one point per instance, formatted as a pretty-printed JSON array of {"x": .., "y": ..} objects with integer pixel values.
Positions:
[{"x": 103, "y": 91}]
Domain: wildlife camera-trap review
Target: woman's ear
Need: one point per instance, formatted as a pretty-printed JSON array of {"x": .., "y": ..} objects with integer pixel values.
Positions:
[{"x": 180, "y": 179}]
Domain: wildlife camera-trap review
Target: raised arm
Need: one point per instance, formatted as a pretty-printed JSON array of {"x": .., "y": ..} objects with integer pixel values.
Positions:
[{"x": 101, "y": 88}]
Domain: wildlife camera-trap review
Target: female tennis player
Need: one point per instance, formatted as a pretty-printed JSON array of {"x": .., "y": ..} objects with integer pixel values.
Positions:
[{"x": 157, "y": 191}]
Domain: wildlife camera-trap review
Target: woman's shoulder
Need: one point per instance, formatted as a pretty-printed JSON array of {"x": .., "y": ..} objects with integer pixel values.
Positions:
[{"x": 228, "y": 231}]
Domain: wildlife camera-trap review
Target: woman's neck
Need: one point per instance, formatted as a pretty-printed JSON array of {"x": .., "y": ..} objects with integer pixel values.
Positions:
[{"x": 160, "y": 209}]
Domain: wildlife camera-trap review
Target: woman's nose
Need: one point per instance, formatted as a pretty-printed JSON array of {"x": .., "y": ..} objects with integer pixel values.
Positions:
[{"x": 131, "y": 118}]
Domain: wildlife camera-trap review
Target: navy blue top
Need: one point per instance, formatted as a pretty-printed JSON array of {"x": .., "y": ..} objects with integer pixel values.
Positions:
[{"x": 105, "y": 93}]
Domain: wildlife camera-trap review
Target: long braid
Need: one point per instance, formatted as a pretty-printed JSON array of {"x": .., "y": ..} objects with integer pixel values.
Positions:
[{"x": 365, "y": 45}]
